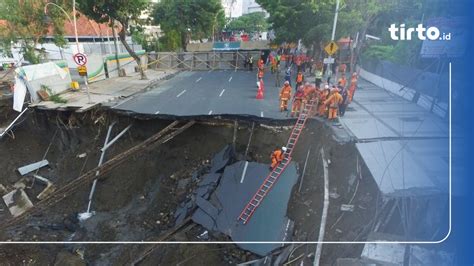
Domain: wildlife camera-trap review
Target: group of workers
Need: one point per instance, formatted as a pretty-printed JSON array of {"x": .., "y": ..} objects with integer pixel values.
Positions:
[{"x": 331, "y": 100}]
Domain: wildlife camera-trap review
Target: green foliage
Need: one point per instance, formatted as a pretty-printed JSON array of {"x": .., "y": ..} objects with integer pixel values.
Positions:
[
  {"x": 122, "y": 11},
  {"x": 380, "y": 52},
  {"x": 195, "y": 19},
  {"x": 253, "y": 22},
  {"x": 53, "y": 97},
  {"x": 171, "y": 41},
  {"x": 27, "y": 25}
]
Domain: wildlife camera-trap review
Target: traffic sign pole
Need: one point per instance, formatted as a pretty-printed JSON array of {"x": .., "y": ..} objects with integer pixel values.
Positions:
[
  {"x": 81, "y": 60},
  {"x": 333, "y": 36}
]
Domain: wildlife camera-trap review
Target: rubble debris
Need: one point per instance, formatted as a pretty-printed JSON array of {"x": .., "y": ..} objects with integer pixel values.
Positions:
[
  {"x": 220, "y": 212},
  {"x": 3, "y": 190},
  {"x": 17, "y": 202},
  {"x": 222, "y": 159},
  {"x": 32, "y": 167},
  {"x": 50, "y": 187}
]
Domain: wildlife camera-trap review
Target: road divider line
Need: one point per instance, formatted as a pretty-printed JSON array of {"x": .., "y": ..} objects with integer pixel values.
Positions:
[
  {"x": 210, "y": 112},
  {"x": 230, "y": 79},
  {"x": 199, "y": 79},
  {"x": 261, "y": 114},
  {"x": 222, "y": 92},
  {"x": 157, "y": 112},
  {"x": 244, "y": 172},
  {"x": 181, "y": 93}
]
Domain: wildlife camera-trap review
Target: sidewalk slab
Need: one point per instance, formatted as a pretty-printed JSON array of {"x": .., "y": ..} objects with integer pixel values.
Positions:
[{"x": 105, "y": 91}]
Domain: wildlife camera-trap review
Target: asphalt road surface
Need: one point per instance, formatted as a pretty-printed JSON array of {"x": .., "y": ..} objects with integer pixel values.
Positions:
[{"x": 218, "y": 92}]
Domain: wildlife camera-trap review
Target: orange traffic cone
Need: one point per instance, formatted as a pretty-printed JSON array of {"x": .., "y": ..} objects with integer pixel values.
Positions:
[{"x": 259, "y": 93}]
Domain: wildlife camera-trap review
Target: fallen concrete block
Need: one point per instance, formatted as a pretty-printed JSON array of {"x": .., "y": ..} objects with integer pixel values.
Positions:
[
  {"x": 32, "y": 167},
  {"x": 17, "y": 202},
  {"x": 347, "y": 208}
]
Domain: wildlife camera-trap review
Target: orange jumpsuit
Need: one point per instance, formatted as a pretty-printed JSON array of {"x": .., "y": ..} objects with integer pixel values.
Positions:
[
  {"x": 277, "y": 157},
  {"x": 299, "y": 79},
  {"x": 296, "y": 106},
  {"x": 285, "y": 95},
  {"x": 352, "y": 88},
  {"x": 309, "y": 94},
  {"x": 322, "y": 105},
  {"x": 334, "y": 100},
  {"x": 343, "y": 81},
  {"x": 260, "y": 64}
]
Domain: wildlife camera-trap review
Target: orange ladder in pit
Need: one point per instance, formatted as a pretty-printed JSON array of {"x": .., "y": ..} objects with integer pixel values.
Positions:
[{"x": 272, "y": 178}]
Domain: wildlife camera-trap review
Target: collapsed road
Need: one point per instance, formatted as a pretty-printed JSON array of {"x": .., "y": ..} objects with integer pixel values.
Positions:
[{"x": 188, "y": 165}]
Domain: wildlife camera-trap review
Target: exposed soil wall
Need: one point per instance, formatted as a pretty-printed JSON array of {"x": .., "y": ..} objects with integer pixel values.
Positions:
[{"x": 137, "y": 200}]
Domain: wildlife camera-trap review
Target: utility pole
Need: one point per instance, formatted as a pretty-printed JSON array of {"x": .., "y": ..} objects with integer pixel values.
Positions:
[{"x": 333, "y": 36}]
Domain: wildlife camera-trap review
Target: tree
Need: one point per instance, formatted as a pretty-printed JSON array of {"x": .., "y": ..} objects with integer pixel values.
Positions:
[
  {"x": 253, "y": 22},
  {"x": 122, "y": 11},
  {"x": 196, "y": 18},
  {"x": 312, "y": 21},
  {"x": 26, "y": 26}
]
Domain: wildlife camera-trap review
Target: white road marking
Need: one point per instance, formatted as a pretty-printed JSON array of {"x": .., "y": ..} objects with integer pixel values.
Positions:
[
  {"x": 210, "y": 112},
  {"x": 181, "y": 93},
  {"x": 261, "y": 114},
  {"x": 157, "y": 112},
  {"x": 199, "y": 79},
  {"x": 244, "y": 172},
  {"x": 230, "y": 79},
  {"x": 222, "y": 92},
  {"x": 210, "y": 70}
]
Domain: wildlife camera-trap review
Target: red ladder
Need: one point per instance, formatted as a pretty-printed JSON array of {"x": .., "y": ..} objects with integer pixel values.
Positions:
[{"x": 272, "y": 178}]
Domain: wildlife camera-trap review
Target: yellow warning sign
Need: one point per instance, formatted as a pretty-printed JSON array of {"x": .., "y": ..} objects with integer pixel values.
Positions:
[
  {"x": 331, "y": 48},
  {"x": 82, "y": 70}
]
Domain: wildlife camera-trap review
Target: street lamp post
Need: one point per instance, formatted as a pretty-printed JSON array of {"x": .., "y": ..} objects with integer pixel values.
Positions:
[
  {"x": 74, "y": 22},
  {"x": 333, "y": 36}
]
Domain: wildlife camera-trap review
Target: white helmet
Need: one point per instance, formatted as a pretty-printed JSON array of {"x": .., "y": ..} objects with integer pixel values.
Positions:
[
  {"x": 326, "y": 86},
  {"x": 284, "y": 149}
]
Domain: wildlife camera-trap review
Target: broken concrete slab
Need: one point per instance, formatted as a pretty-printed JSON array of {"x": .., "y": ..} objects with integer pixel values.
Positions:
[
  {"x": 32, "y": 167},
  {"x": 17, "y": 202},
  {"x": 269, "y": 222},
  {"x": 221, "y": 159}
]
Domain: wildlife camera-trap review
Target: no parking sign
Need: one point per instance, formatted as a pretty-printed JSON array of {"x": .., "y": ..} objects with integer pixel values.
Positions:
[{"x": 80, "y": 59}]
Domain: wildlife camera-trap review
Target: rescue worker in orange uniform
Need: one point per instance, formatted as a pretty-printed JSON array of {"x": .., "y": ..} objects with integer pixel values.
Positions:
[
  {"x": 333, "y": 101},
  {"x": 352, "y": 87},
  {"x": 277, "y": 156},
  {"x": 274, "y": 62},
  {"x": 342, "y": 81},
  {"x": 297, "y": 101},
  {"x": 260, "y": 74},
  {"x": 299, "y": 79},
  {"x": 323, "y": 95},
  {"x": 309, "y": 93},
  {"x": 285, "y": 95},
  {"x": 260, "y": 64}
]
